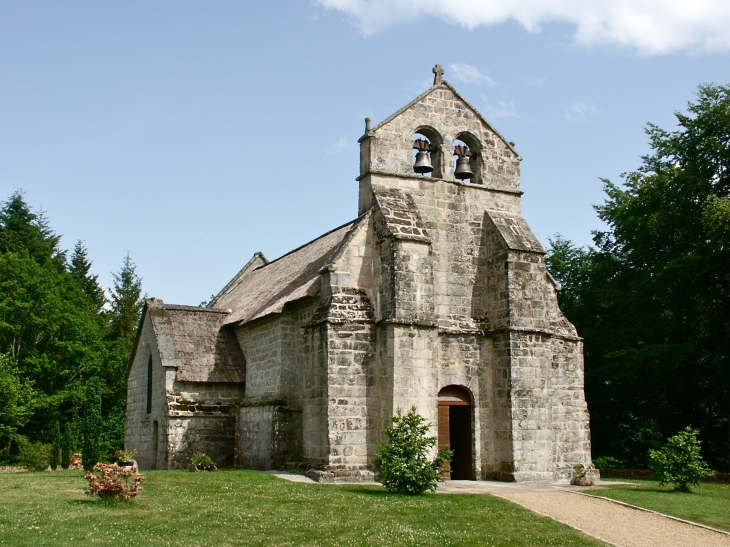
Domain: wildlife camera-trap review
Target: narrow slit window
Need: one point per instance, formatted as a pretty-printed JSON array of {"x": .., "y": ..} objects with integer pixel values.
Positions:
[{"x": 149, "y": 385}]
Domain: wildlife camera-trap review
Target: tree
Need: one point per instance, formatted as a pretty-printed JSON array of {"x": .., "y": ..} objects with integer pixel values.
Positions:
[
  {"x": 51, "y": 333},
  {"x": 79, "y": 268},
  {"x": 91, "y": 424},
  {"x": 652, "y": 299},
  {"x": 126, "y": 303},
  {"x": 21, "y": 230},
  {"x": 570, "y": 266},
  {"x": 57, "y": 332},
  {"x": 15, "y": 403},
  {"x": 126, "y": 307},
  {"x": 404, "y": 464},
  {"x": 679, "y": 461}
]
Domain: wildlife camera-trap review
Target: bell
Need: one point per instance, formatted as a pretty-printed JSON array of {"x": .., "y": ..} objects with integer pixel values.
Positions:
[
  {"x": 423, "y": 162},
  {"x": 463, "y": 170}
]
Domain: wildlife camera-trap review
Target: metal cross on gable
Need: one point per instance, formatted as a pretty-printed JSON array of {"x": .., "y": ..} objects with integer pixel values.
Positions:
[{"x": 438, "y": 74}]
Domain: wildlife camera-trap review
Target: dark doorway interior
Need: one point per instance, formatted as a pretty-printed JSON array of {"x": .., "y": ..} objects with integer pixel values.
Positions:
[{"x": 454, "y": 428}]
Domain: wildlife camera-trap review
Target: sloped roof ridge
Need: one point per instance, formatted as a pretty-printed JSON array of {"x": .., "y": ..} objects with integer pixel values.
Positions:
[
  {"x": 181, "y": 307},
  {"x": 339, "y": 248},
  {"x": 290, "y": 277},
  {"x": 426, "y": 93},
  {"x": 236, "y": 279},
  {"x": 307, "y": 244}
]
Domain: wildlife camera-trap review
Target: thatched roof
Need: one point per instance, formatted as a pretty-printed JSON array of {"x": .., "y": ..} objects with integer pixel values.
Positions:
[
  {"x": 266, "y": 289},
  {"x": 200, "y": 342},
  {"x": 195, "y": 341}
]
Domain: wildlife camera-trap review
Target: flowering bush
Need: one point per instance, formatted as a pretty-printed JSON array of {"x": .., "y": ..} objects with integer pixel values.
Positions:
[{"x": 113, "y": 482}]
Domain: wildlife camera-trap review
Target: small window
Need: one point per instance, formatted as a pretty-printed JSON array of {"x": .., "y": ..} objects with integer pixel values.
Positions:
[{"x": 149, "y": 385}]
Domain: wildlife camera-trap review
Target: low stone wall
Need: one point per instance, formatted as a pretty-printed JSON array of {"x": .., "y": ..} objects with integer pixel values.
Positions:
[{"x": 647, "y": 474}]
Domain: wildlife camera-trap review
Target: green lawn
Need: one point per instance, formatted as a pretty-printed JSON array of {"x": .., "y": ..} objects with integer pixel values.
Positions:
[
  {"x": 248, "y": 508},
  {"x": 708, "y": 503}
]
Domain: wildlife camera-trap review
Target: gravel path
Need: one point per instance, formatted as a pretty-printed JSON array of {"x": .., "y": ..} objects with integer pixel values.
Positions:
[{"x": 615, "y": 523}]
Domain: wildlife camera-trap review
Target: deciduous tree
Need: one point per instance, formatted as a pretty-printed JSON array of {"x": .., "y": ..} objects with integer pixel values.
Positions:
[{"x": 652, "y": 299}]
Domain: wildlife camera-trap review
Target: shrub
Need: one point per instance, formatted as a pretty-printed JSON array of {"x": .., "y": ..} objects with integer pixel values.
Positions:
[
  {"x": 201, "y": 461},
  {"x": 34, "y": 456},
  {"x": 111, "y": 482},
  {"x": 608, "y": 462},
  {"x": 91, "y": 424},
  {"x": 679, "y": 462},
  {"x": 126, "y": 456},
  {"x": 403, "y": 463}
]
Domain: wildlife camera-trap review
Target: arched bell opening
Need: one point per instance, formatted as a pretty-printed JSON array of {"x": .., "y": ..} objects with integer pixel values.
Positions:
[
  {"x": 426, "y": 154},
  {"x": 455, "y": 429},
  {"x": 467, "y": 158}
]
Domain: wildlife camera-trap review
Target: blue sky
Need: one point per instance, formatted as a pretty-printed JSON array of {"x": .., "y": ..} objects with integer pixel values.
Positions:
[{"x": 192, "y": 134}]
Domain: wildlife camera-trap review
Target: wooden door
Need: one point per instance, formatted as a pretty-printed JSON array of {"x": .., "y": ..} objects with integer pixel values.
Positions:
[{"x": 455, "y": 429}]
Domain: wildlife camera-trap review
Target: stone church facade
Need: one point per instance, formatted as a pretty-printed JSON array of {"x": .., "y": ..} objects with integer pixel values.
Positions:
[{"x": 436, "y": 295}]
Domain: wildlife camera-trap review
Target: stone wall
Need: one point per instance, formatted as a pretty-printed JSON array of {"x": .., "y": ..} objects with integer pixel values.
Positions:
[
  {"x": 349, "y": 347},
  {"x": 465, "y": 250},
  {"x": 210, "y": 435},
  {"x": 281, "y": 417},
  {"x": 312, "y": 362},
  {"x": 202, "y": 420},
  {"x": 261, "y": 343},
  {"x": 139, "y": 425},
  {"x": 388, "y": 146},
  {"x": 569, "y": 412}
]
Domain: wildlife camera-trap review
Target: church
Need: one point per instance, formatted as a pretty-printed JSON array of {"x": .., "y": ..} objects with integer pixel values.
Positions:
[{"x": 435, "y": 295}]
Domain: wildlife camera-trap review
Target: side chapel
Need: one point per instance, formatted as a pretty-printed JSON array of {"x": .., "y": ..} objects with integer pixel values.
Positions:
[{"x": 436, "y": 295}]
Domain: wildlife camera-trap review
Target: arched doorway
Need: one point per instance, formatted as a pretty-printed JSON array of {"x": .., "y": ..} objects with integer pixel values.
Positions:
[{"x": 454, "y": 428}]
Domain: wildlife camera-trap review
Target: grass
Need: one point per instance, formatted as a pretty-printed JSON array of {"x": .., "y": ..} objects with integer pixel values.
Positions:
[
  {"x": 708, "y": 503},
  {"x": 249, "y": 508}
]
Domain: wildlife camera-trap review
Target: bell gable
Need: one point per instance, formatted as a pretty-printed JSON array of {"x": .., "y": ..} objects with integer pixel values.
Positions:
[{"x": 444, "y": 128}]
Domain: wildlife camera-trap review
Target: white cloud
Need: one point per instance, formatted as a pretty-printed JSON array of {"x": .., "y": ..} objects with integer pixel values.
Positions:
[
  {"x": 340, "y": 146},
  {"x": 469, "y": 74},
  {"x": 503, "y": 109},
  {"x": 578, "y": 112},
  {"x": 647, "y": 26}
]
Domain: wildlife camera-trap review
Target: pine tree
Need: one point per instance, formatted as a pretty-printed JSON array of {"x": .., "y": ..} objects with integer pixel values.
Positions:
[
  {"x": 126, "y": 306},
  {"x": 66, "y": 444},
  {"x": 91, "y": 424},
  {"x": 21, "y": 230},
  {"x": 126, "y": 303},
  {"x": 79, "y": 267}
]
